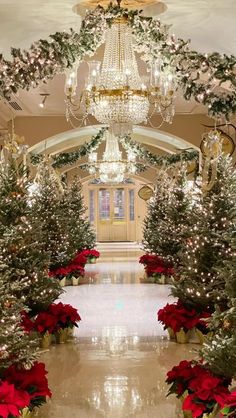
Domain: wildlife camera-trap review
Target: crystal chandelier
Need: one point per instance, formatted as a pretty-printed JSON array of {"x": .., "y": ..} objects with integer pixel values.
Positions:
[
  {"x": 112, "y": 168},
  {"x": 115, "y": 93}
]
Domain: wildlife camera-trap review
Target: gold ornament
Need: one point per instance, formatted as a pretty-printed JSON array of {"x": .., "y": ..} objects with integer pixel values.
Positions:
[
  {"x": 211, "y": 147},
  {"x": 146, "y": 193},
  {"x": 12, "y": 248},
  {"x": 226, "y": 324}
]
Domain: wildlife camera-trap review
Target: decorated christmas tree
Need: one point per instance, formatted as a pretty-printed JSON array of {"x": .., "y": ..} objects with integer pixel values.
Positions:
[
  {"x": 24, "y": 263},
  {"x": 16, "y": 347},
  {"x": 50, "y": 211},
  {"x": 220, "y": 351},
  {"x": 169, "y": 217},
  {"x": 206, "y": 247},
  {"x": 81, "y": 234}
]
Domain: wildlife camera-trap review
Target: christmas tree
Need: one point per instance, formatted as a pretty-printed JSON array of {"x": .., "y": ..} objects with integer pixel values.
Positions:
[
  {"x": 220, "y": 351},
  {"x": 23, "y": 259},
  {"x": 50, "y": 211},
  {"x": 81, "y": 235},
  {"x": 169, "y": 216},
  {"x": 206, "y": 248},
  {"x": 16, "y": 347}
]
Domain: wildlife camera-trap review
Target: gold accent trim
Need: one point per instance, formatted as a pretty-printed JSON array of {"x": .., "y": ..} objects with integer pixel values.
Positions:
[
  {"x": 119, "y": 92},
  {"x": 120, "y": 20}
]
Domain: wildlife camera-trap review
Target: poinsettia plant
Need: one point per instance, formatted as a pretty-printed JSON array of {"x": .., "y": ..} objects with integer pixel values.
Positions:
[
  {"x": 65, "y": 314},
  {"x": 33, "y": 381},
  {"x": 58, "y": 316},
  {"x": 12, "y": 400},
  {"x": 73, "y": 269},
  {"x": 21, "y": 388},
  {"x": 156, "y": 266},
  {"x": 203, "y": 391},
  {"x": 177, "y": 316},
  {"x": 90, "y": 254}
]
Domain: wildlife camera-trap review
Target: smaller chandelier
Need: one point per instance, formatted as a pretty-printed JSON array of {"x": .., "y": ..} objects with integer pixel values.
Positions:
[{"x": 112, "y": 168}]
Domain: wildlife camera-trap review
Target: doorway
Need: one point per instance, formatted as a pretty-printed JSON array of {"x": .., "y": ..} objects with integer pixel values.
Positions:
[{"x": 115, "y": 211}]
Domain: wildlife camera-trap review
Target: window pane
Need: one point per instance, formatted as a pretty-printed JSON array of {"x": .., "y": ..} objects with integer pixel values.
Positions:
[
  {"x": 131, "y": 205},
  {"x": 104, "y": 204},
  {"x": 91, "y": 206},
  {"x": 119, "y": 204}
]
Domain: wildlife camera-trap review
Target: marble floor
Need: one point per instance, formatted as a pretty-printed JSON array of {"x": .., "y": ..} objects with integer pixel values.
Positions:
[{"x": 116, "y": 364}]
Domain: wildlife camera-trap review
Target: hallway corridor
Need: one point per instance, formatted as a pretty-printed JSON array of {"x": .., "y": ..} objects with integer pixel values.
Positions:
[{"x": 116, "y": 365}]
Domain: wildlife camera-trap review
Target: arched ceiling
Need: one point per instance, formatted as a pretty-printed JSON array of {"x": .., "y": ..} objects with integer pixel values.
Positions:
[{"x": 210, "y": 24}]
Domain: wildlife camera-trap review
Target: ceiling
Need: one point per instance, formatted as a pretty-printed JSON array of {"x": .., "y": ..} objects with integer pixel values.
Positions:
[{"x": 209, "y": 23}]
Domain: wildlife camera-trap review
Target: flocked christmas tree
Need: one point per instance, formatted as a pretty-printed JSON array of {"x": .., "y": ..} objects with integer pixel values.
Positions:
[
  {"x": 81, "y": 234},
  {"x": 220, "y": 351},
  {"x": 206, "y": 248},
  {"x": 169, "y": 216},
  {"x": 50, "y": 211},
  {"x": 16, "y": 347},
  {"x": 24, "y": 263}
]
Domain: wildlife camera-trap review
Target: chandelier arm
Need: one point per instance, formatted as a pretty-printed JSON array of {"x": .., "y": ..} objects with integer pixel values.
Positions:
[
  {"x": 153, "y": 126},
  {"x": 82, "y": 120}
]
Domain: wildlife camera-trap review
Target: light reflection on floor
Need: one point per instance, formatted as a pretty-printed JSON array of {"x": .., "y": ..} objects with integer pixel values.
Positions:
[{"x": 116, "y": 365}]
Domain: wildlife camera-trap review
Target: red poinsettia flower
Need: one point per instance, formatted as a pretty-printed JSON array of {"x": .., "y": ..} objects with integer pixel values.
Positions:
[
  {"x": 45, "y": 322},
  {"x": 12, "y": 400},
  {"x": 197, "y": 409},
  {"x": 177, "y": 316},
  {"x": 80, "y": 259},
  {"x": 148, "y": 259},
  {"x": 72, "y": 268},
  {"x": 183, "y": 371},
  {"x": 33, "y": 381},
  {"x": 90, "y": 253},
  {"x": 231, "y": 399},
  {"x": 65, "y": 315}
]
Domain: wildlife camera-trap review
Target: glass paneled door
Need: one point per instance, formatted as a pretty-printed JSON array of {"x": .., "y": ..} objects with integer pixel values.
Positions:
[{"x": 112, "y": 214}]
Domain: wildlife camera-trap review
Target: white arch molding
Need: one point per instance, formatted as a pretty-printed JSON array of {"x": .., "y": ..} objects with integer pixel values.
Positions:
[{"x": 76, "y": 137}]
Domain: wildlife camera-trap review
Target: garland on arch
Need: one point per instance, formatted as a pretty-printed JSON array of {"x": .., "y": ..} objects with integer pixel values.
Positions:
[
  {"x": 146, "y": 156},
  {"x": 70, "y": 158},
  {"x": 156, "y": 160},
  {"x": 46, "y": 58}
]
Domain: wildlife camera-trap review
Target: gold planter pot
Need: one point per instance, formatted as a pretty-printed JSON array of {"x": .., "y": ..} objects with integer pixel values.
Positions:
[
  {"x": 46, "y": 340},
  {"x": 182, "y": 337},
  {"x": 63, "y": 282},
  {"x": 61, "y": 336},
  {"x": 171, "y": 334},
  {"x": 187, "y": 414},
  {"x": 162, "y": 279},
  {"x": 70, "y": 332},
  {"x": 75, "y": 281},
  {"x": 203, "y": 337},
  {"x": 25, "y": 413}
]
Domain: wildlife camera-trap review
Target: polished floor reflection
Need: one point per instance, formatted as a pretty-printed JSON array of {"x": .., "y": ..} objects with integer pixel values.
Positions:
[{"x": 115, "y": 366}]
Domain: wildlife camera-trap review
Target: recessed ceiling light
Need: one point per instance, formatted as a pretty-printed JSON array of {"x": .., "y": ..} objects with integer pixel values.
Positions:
[{"x": 44, "y": 98}]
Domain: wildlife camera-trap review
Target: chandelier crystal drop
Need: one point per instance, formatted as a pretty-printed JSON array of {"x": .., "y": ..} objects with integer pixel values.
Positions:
[
  {"x": 115, "y": 93},
  {"x": 112, "y": 168}
]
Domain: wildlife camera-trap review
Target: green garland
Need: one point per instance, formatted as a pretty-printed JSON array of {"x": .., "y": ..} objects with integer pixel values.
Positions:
[
  {"x": 156, "y": 160},
  {"x": 46, "y": 58},
  {"x": 70, "y": 158}
]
